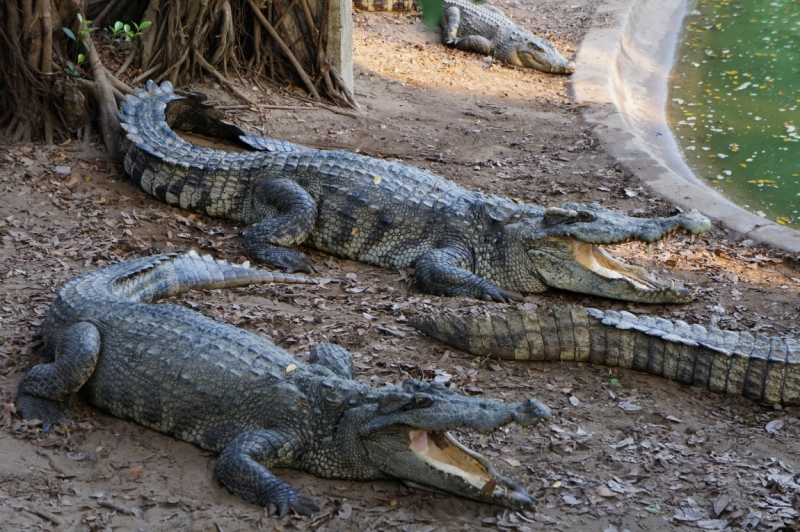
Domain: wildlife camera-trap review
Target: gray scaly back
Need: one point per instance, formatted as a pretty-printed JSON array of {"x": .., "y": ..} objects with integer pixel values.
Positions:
[
  {"x": 233, "y": 392},
  {"x": 390, "y": 214}
]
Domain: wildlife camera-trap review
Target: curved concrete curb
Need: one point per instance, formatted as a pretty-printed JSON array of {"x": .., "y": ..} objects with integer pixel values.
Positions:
[{"x": 621, "y": 78}]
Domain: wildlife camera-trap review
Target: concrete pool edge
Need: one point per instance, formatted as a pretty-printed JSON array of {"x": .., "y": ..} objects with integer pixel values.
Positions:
[{"x": 621, "y": 80}]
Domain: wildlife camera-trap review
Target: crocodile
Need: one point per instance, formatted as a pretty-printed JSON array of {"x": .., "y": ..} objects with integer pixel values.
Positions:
[
  {"x": 758, "y": 367},
  {"x": 233, "y": 392},
  {"x": 486, "y": 30},
  {"x": 389, "y": 214}
]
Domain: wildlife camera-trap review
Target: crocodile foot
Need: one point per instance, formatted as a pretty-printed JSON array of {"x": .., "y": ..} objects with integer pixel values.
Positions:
[
  {"x": 295, "y": 501},
  {"x": 32, "y": 407},
  {"x": 289, "y": 260},
  {"x": 495, "y": 293}
]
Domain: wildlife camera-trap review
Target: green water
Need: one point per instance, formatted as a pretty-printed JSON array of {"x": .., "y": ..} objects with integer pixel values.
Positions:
[{"x": 734, "y": 104}]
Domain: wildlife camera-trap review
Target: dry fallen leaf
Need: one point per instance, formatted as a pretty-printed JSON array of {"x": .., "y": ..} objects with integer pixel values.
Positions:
[
  {"x": 720, "y": 503},
  {"x": 774, "y": 426},
  {"x": 604, "y": 491}
]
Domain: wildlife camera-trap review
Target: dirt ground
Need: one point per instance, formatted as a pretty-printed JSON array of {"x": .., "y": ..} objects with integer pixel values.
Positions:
[{"x": 675, "y": 457}]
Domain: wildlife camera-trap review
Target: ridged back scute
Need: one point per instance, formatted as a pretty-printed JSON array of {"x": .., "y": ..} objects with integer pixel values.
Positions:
[
  {"x": 761, "y": 367},
  {"x": 149, "y": 279}
]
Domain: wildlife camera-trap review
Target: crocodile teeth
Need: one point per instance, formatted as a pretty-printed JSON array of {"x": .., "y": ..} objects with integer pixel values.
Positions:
[
  {"x": 524, "y": 431},
  {"x": 482, "y": 439},
  {"x": 650, "y": 247},
  {"x": 672, "y": 286},
  {"x": 691, "y": 238}
]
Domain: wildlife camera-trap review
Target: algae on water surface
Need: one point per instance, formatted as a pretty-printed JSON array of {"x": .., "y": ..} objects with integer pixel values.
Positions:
[{"x": 734, "y": 104}]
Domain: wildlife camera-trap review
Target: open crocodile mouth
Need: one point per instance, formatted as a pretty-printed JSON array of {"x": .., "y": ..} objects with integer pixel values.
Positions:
[
  {"x": 594, "y": 258},
  {"x": 441, "y": 451},
  {"x": 641, "y": 284}
]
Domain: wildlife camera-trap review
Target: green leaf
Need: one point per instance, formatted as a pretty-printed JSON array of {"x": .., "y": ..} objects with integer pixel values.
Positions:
[
  {"x": 654, "y": 511},
  {"x": 80, "y": 18},
  {"x": 117, "y": 26},
  {"x": 69, "y": 33},
  {"x": 615, "y": 382},
  {"x": 144, "y": 24},
  {"x": 431, "y": 12},
  {"x": 81, "y": 58}
]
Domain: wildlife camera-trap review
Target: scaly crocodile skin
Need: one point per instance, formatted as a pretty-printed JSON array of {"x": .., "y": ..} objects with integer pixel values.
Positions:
[
  {"x": 761, "y": 367},
  {"x": 485, "y": 30},
  {"x": 387, "y": 213},
  {"x": 233, "y": 392}
]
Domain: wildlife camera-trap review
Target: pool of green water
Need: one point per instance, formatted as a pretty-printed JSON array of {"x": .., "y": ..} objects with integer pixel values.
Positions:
[{"x": 734, "y": 104}]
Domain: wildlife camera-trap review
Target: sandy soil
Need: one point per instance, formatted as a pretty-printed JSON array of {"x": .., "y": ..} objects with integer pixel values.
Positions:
[{"x": 685, "y": 458}]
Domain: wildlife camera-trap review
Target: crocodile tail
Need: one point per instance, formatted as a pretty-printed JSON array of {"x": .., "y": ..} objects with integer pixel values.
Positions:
[
  {"x": 386, "y": 5},
  {"x": 148, "y": 280},
  {"x": 759, "y": 367},
  {"x": 172, "y": 169}
]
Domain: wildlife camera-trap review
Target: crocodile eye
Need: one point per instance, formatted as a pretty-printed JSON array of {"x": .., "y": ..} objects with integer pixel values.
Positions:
[
  {"x": 333, "y": 394},
  {"x": 422, "y": 401},
  {"x": 585, "y": 216}
]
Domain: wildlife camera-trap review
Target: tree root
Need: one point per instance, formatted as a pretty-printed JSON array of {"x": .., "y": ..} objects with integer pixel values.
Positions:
[
  {"x": 128, "y": 60},
  {"x": 107, "y": 105},
  {"x": 222, "y": 79},
  {"x": 285, "y": 49},
  {"x": 284, "y": 41}
]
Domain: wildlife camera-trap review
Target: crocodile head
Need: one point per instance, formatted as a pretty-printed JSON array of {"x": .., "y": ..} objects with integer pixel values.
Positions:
[
  {"x": 538, "y": 53},
  {"x": 564, "y": 250},
  {"x": 405, "y": 433}
]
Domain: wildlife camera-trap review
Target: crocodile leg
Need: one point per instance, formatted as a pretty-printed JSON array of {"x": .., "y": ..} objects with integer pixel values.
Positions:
[
  {"x": 451, "y": 19},
  {"x": 243, "y": 469},
  {"x": 45, "y": 389},
  {"x": 335, "y": 358},
  {"x": 440, "y": 272},
  {"x": 288, "y": 214}
]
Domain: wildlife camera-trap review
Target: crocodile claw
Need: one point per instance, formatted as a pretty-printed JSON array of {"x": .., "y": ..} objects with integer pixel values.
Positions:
[
  {"x": 296, "y": 502},
  {"x": 495, "y": 293}
]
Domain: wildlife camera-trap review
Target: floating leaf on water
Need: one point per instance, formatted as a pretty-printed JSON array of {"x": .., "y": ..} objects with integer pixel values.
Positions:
[{"x": 377, "y": 180}]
